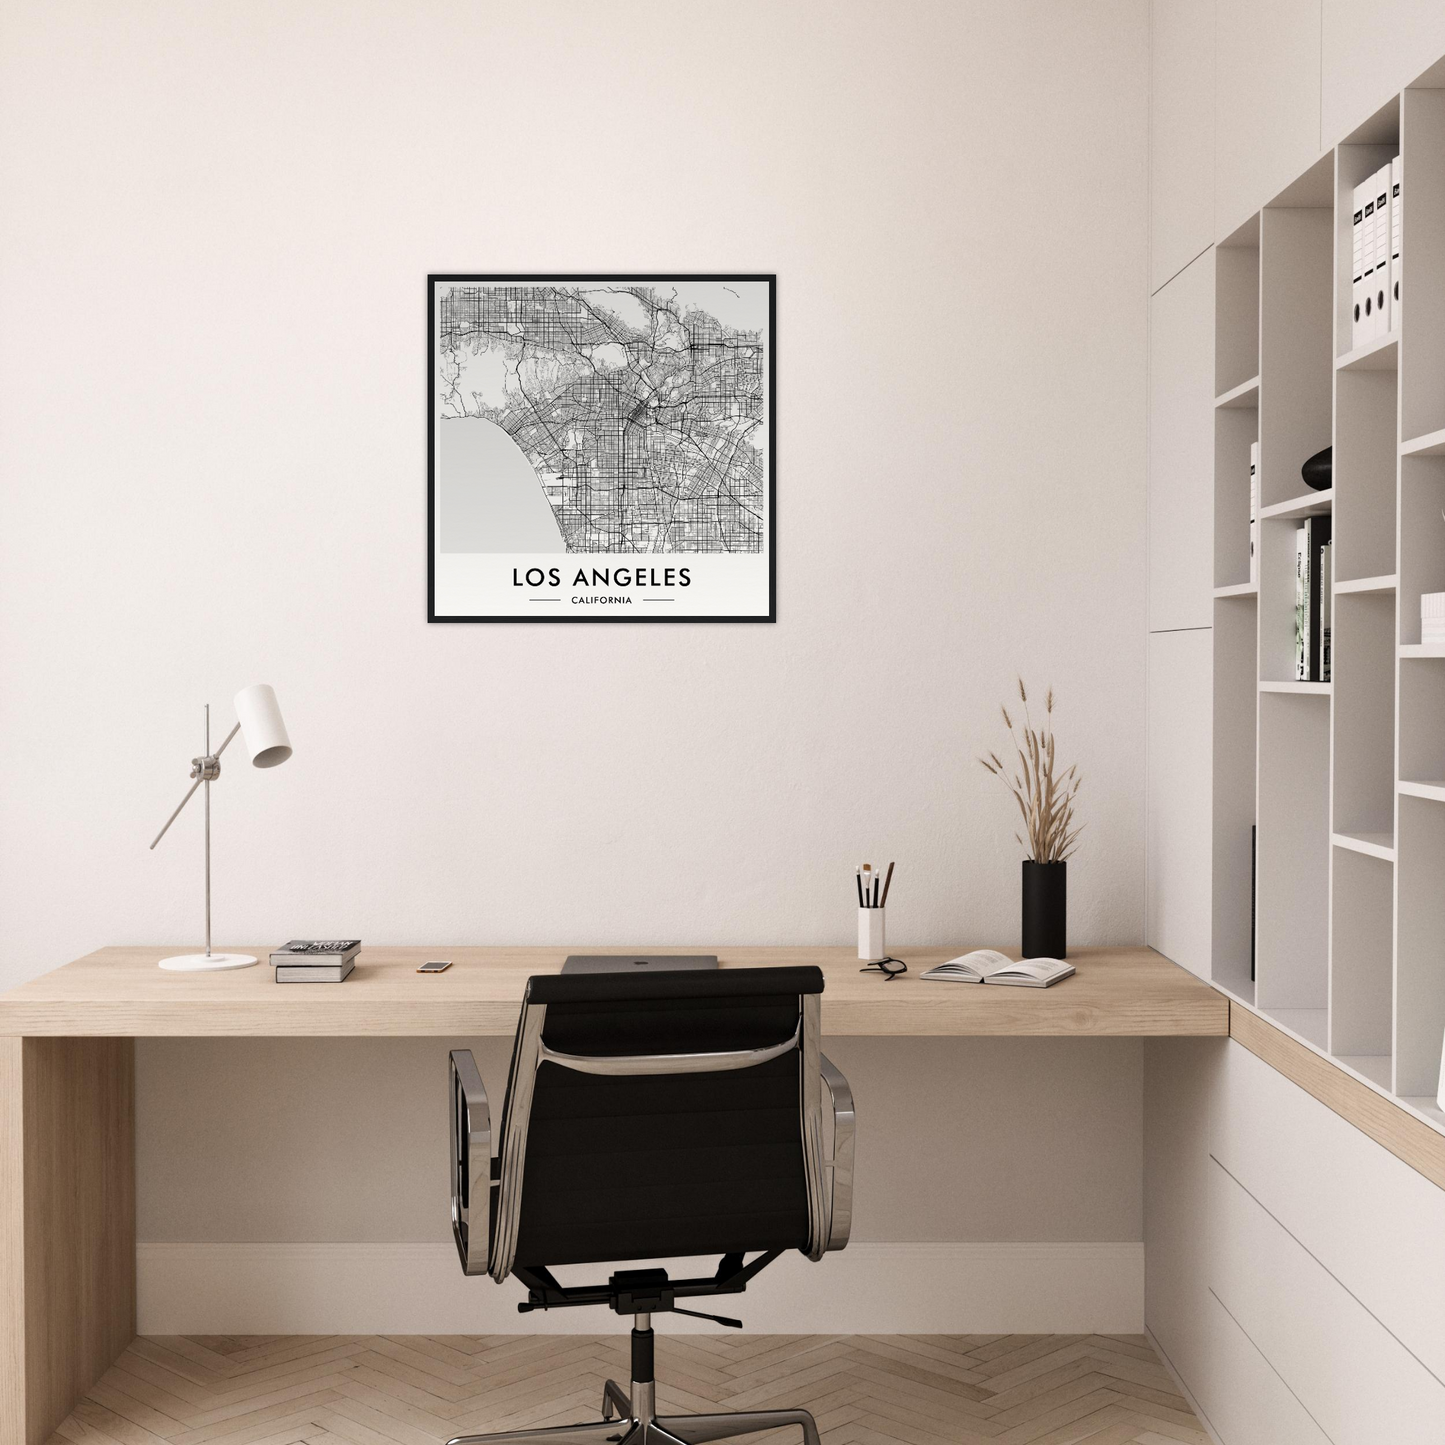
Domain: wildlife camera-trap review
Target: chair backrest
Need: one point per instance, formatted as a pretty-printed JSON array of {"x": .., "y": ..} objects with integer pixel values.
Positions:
[{"x": 669, "y": 1114}]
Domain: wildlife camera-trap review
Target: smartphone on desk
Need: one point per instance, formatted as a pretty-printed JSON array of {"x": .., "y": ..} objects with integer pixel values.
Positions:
[{"x": 435, "y": 965}]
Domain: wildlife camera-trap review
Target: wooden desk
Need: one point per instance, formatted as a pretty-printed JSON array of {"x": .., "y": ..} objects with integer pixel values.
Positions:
[
  {"x": 67, "y": 1090},
  {"x": 119, "y": 992}
]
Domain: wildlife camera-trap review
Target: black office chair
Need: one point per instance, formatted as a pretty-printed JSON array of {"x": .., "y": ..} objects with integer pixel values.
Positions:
[{"x": 650, "y": 1117}]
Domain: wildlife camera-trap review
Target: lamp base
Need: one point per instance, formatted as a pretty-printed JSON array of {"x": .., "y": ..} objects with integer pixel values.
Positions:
[{"x": 206, "y": 962}]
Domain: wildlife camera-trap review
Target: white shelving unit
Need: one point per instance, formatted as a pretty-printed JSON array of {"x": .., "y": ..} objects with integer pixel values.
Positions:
[{"x": 1344, "y": 781}]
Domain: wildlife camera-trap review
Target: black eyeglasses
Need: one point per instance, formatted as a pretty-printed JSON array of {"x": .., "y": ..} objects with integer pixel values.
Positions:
[{"x": 890, "y": 968}]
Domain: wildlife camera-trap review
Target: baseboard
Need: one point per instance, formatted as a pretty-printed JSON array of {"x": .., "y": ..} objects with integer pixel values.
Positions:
[{"x": 305, "y": 1289}]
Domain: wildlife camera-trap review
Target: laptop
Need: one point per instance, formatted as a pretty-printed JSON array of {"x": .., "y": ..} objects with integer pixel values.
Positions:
[{"x": 637, "y": 962}]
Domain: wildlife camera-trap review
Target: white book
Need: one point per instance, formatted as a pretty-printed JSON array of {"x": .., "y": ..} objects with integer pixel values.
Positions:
[
  {"x": 1357, "y": 267},
  {"x": 1382, "y": 251},
  {"x": 1327, "y": 572},
  {"x": 1301, "y": 605},
  {"x": 1254, "y": 513},
  {"x": 988, "y": 965},
  {"x": 1396, "y": 226}
]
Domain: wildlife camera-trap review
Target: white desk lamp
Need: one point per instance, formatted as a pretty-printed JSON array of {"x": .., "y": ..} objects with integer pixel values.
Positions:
[{"x": 258, "y": 720}]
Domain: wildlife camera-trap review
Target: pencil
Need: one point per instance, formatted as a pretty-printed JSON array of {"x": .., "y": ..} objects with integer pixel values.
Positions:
[{"x": 887, "y": 883}]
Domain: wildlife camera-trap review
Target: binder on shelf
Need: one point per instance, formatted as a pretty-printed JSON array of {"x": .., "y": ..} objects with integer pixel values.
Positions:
[
  {"x": 1396, "y": 226},
  {"x": 1357, "y": 268},
  {"x": 1381, "y": 292},
  {"x": 1254, "y": 513}
]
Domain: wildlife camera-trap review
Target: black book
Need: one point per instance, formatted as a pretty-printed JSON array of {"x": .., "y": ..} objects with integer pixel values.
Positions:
[{"x": 1253, "y": 892}]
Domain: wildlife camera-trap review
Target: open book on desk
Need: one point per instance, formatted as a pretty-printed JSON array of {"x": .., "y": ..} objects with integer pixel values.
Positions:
[{"x": 987, "y": 965}]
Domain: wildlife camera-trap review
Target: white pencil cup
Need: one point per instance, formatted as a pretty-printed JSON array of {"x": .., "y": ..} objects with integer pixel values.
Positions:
[{"x": 871, "y": 946}]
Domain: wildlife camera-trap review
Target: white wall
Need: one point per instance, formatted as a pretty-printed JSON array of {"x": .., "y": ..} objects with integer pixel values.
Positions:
[
  {"x": 217, "y": 229},
  {"x": 217, "y": 225}
]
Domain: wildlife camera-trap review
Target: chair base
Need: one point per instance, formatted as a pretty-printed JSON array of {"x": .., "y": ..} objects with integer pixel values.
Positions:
[{"x": 641, "y": 1427}]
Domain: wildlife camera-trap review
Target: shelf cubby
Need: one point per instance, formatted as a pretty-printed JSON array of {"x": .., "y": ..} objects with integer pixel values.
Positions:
[
  {"x": 1420, "y": 962},
  {"x": 1236, "y": 706},
  {"x": 1422, "y": 537},
  {"x": 1365, "y": 459},
  {"x": 1364, "y": 704},
  {"x": 1294, "y": 852},
  {"x": 1236, "y": 314},
  {"x": 1235, "y": 429},
  {"x": 1422, "y": 721},
  {"x": 1362, "y": 902},
  {"x": 1296, "y": 324}
]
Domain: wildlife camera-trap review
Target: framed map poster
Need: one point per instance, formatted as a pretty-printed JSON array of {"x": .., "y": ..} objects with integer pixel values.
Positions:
[{"x": 600, "y": 448}]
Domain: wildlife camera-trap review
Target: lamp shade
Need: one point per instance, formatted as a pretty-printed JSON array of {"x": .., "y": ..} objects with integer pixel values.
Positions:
[{"x": 262, "y": 730}]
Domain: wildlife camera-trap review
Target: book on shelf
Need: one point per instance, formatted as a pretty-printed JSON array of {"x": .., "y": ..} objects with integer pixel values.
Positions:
[
  {"x": 1301, "y": 606},
  {"x": 1254, "y": 513},
  {"x": 1310, "y": 610},
  {"x": 1326, "y": 606},
  {"x": 988, "y": 965},
  {"x": 314, "y": 972}
]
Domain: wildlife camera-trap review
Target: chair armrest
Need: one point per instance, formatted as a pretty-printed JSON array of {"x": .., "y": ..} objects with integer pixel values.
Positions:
[
  {"x": 471, "y": 1129},
  {"x": 840, "y": 1166}
]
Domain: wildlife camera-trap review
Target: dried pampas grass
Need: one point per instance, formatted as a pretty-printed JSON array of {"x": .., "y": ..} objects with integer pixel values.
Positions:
[{"x": 1046, "y": 801}]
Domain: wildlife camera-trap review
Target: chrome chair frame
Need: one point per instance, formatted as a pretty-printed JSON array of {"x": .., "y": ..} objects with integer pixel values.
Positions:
[{"x": 486, "y": 1211}]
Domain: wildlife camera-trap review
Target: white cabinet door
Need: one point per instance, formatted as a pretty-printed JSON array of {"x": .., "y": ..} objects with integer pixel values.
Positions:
[
  {"x": 1371, "y": 1220},
  {"x": 1178, "y": 902},
  {"x": 1246, "y": 1401},
  {"x": 1370, "y": 52},
  {"x": 1181, "y": 134},
  {"x": 1266, "y": 102},
  {"x": 1181, "y": 450},
  {"x": 1358, "y": 1382}
]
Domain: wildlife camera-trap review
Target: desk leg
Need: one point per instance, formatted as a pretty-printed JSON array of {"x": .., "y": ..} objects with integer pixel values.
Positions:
[{"x": 67, "y": 1224}]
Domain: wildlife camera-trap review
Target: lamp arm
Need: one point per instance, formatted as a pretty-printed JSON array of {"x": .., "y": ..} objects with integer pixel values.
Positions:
[
  {"x": 227, "y": 743},
  {"x": 177, "y": 813},
  {"x": 202, "y": 774}
]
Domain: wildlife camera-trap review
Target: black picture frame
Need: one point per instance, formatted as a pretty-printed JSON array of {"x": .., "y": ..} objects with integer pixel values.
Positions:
[{"x": 650, "y": 278}]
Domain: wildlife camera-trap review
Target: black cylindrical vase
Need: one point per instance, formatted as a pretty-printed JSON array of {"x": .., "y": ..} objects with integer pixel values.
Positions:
[{"x": 1046, "y": 909}]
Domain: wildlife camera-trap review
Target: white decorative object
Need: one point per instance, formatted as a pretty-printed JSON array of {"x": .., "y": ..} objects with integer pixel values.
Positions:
[
  {"x": 258, "y": 720},
  {"x": 871, "y": 946},
  {"x": 1432, "y": 617}
]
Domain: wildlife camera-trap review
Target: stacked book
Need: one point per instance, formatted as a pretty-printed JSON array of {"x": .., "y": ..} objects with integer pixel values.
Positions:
[
  {"x": 315, "y": 960},
  {"x": 1312, "y": 601}
]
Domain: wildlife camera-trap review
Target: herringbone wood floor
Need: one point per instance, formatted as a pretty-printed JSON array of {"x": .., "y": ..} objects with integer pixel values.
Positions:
[{"x": 418, "y": 1389}]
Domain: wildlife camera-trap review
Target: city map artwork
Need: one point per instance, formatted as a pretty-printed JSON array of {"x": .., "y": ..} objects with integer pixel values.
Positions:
[{"x": 600, "y": 448}]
